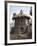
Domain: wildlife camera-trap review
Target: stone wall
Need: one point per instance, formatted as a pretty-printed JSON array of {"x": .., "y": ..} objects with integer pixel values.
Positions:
[{"x": 20, "y": 24}]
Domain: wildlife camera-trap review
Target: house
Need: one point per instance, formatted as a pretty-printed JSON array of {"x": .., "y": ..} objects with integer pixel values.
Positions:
[{"x": 22, "y": 25}]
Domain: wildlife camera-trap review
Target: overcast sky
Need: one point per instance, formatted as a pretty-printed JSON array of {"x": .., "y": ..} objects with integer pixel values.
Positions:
[{"x": 16, "y": 9}]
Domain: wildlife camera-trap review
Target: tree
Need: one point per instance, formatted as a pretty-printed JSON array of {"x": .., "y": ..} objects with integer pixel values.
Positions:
[{"x": 31, "y": 11}]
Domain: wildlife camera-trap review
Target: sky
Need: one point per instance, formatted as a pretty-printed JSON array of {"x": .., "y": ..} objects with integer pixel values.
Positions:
[{"x": 16, "y": 9}]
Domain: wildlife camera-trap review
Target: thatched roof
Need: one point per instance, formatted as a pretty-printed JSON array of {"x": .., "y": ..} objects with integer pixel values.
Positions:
[{"x": 22, "y": 15}]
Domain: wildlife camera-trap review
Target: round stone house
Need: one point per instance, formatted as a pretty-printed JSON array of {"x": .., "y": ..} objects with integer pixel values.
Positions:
[{"x": 22, "y": 23}]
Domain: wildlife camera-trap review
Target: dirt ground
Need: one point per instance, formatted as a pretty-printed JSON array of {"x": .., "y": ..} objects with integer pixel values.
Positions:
[{"x": 27, "y": 35}]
